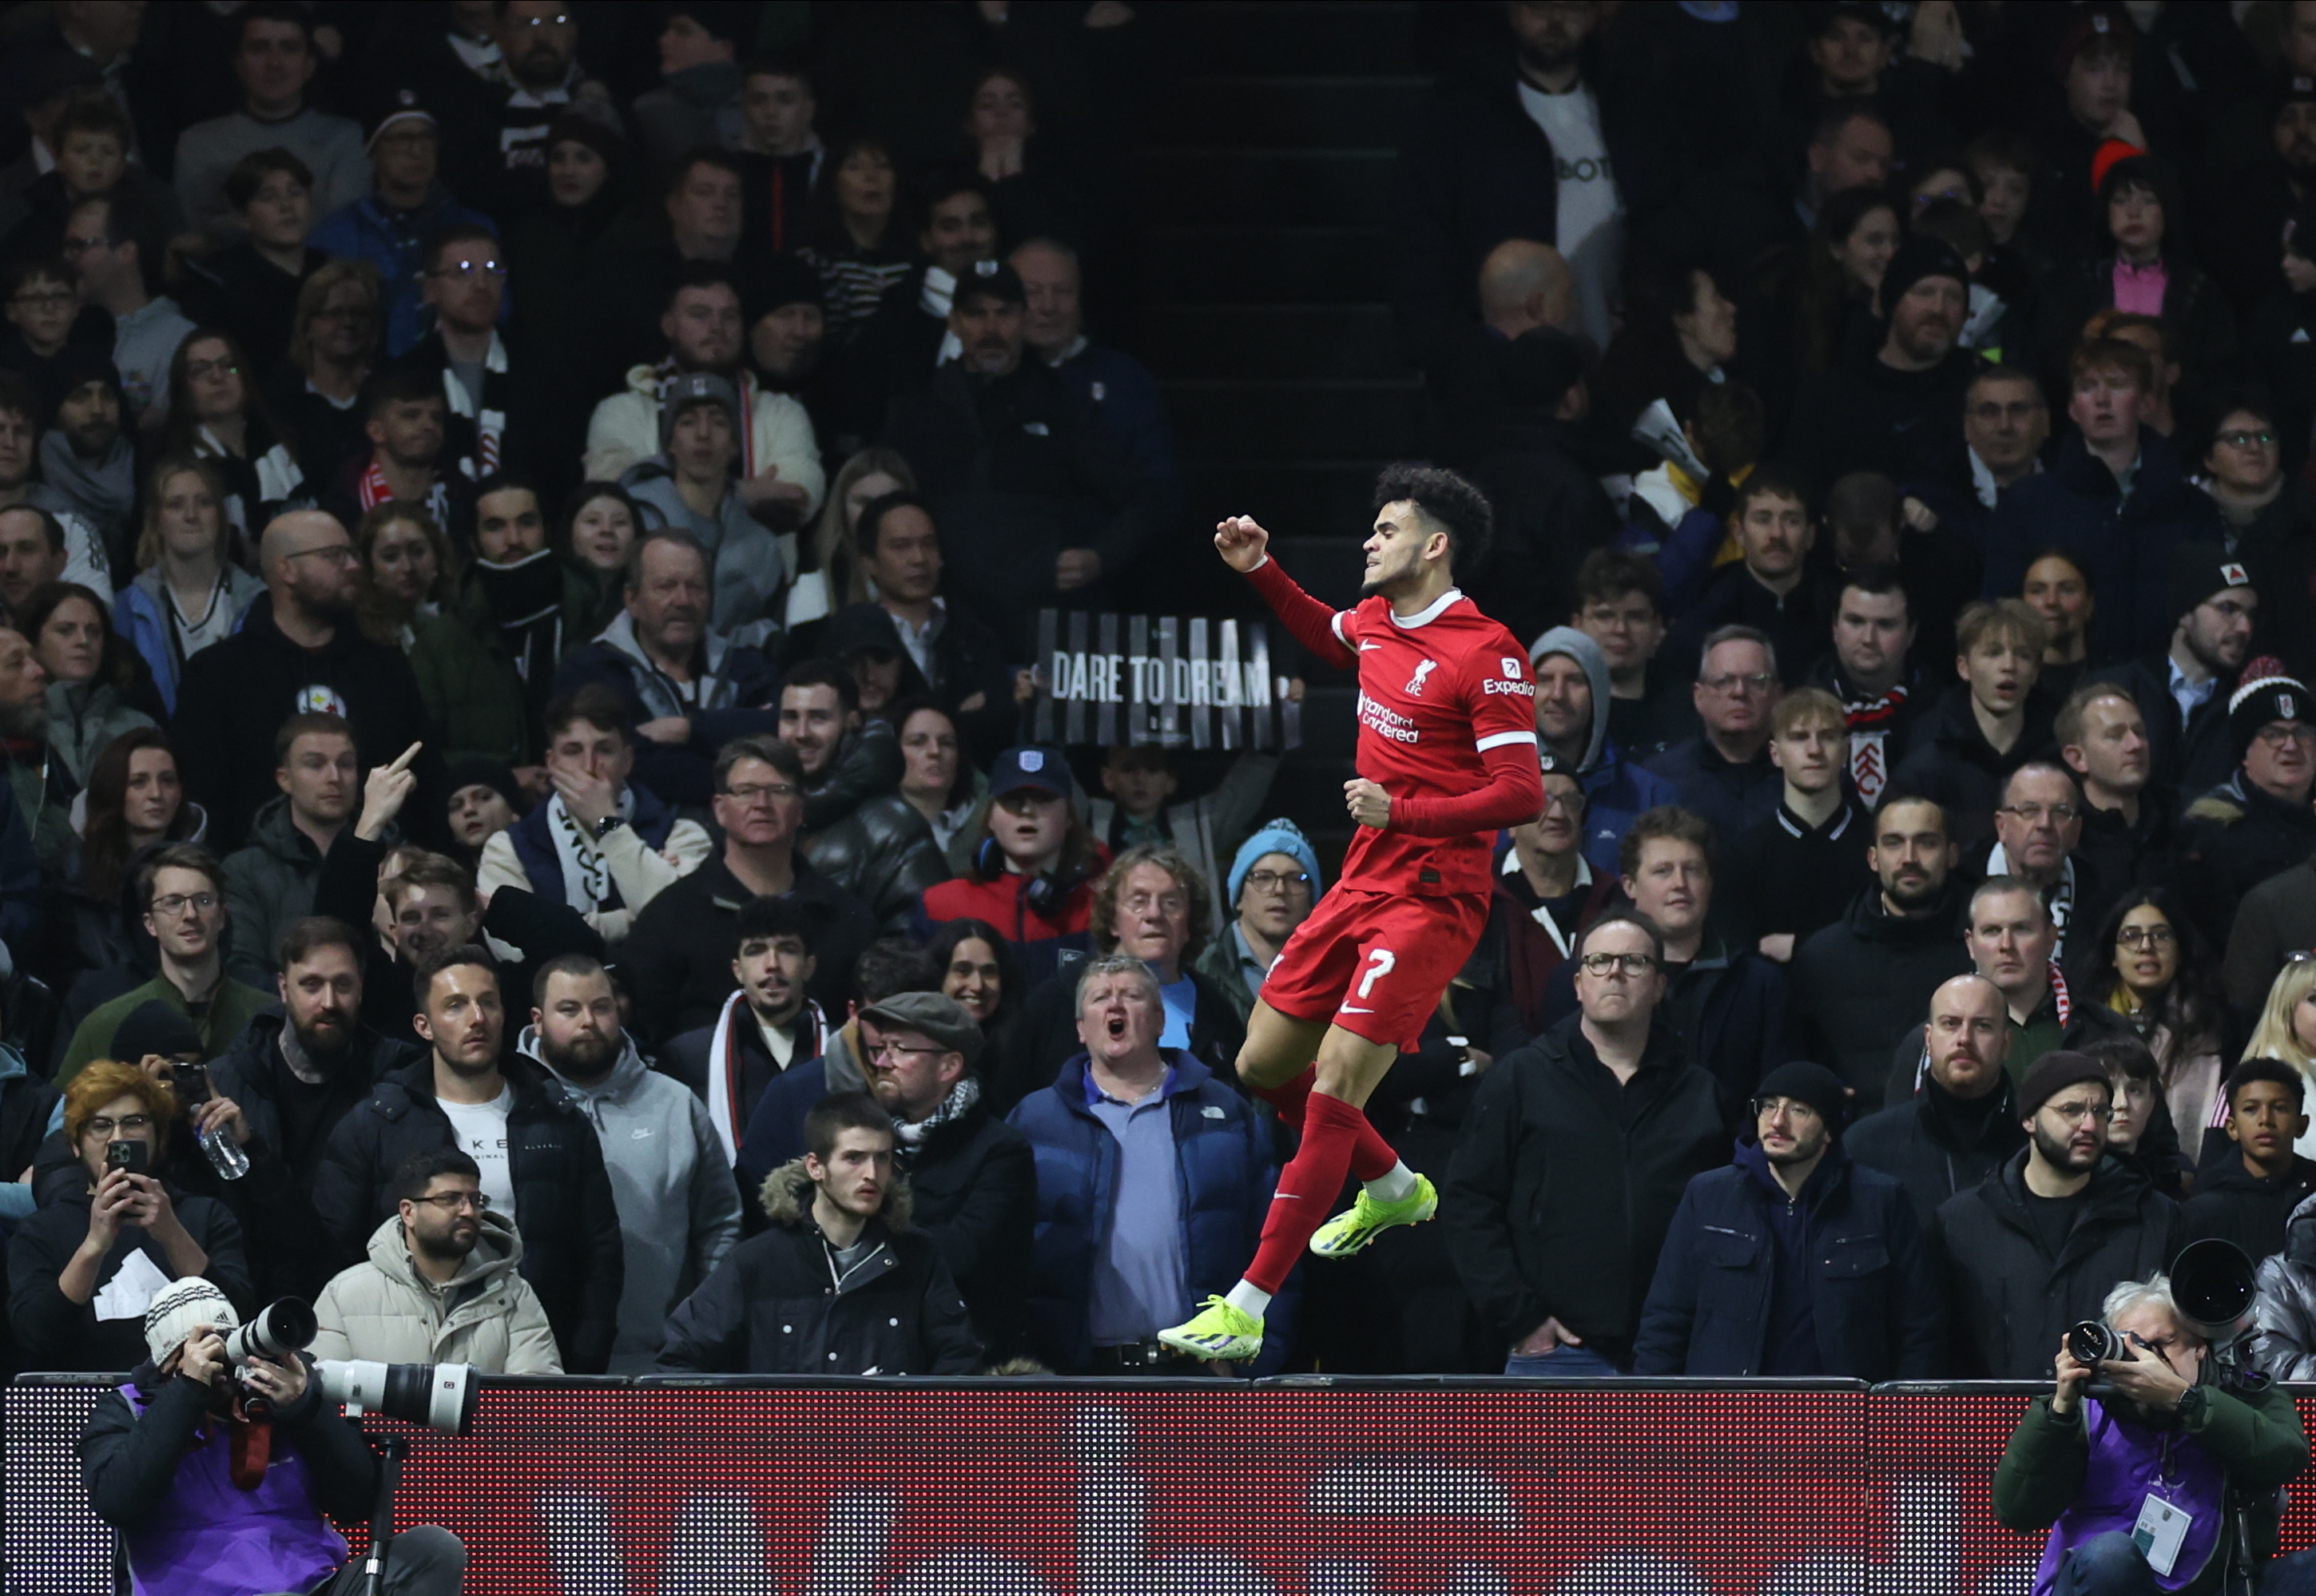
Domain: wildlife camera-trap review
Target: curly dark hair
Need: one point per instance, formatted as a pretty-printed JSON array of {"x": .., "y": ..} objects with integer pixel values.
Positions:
[{"x": 1449, "y": 502}]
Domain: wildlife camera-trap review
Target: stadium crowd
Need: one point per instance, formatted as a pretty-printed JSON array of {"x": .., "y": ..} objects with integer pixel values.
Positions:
[{"x": 521, "y": 526}]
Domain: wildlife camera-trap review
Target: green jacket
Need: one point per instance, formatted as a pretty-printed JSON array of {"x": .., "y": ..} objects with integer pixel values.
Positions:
[
  {"x": 45, "y": 799},
  {"x": 2254, "y": 1437},
  {"x": 231, "y": 1010},
  {"x": 1219, "y": 962},
  {"x": 478, "y": 702}
]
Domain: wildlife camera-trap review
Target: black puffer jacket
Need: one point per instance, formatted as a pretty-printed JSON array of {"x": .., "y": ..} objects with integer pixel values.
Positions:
[
  {"x": 2008, "y": 1301},
  {"x": 1562, "y": 1188},
  {"x": 780, "y": 1303},
  {"x": 571, "y": 1249},
  {"x": 883, "y": 853},
  {"x": 1866, "y": 979},
  {"x": 1937, "y": 1145}
]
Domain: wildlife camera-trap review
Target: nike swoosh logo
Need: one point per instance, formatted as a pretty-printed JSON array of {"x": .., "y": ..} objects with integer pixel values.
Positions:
[
  {"x": 1346, "y": 1009},
  {"x": 1364, "y": 646}
]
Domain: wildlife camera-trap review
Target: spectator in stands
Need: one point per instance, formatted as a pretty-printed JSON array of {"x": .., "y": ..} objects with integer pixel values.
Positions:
[
  {"x": 216, "y": 413},
  {"x": 860, "y": 833},
  {"x": 1679, "y": 334},
  {"x": 269, "y": 883},
  {"x": 485, "y": 800},
  {"x": 1897, "y": 409},
  {"x": 580, "y": 168},
  {"x": 779, "y": 151},
  {"x": 273, "y": 62},
  {"x": 175, "y": 1449},
  {"x": 41, "y": 785},
  {"x": 1273, "y": 884},
  {"x": 2038, "y": 827},
  {"x": 2058, "y": 588},
  {"x": 1794, "y": 1260},
  {"x": 1571, "y": 680},
  {"x": 2144, "y": 268},
  {"x": 297, "y": 650},
  {"x": 462, "y": 281},
  {"x": 976, "y": 966},
  {"x": 85, "y": 456},
  {"x": 118, "y": 248},
  {"x": 405, "y": 422},
  {"x": 839, "y": 1213},
  {"x": 1603, "y": 1125},
  {"x": 395, "y": 224},
  {"x": 2268, "y": 516},
  {"x": 1151, "y": 904},
  {"x": 1864, "y": 981},
  {"x": 2149, "y": 964},
  {"x": 2216, "y": 609},
  {"x": 1872, "y": 673},
  {"x": 855, "y": 241},
  {"x": 601, "y": 524},
  {"x": 679, "y": 955},
  {"x": 2257, "y": 822},
  {"x": 1118, "y": 387},
  {"x": 1724, "y": 772},
  {"x": 689, "y": 486},
  {"x": 1059, "y": 508},
  {"x": 1033, "y": 875},
  {"x": 1936, "y": 566},
  {"x": 2129, "y": 822},
  {"x": 2033, "y": 1248},
  {"x": 2141, "y": 1132},
  {"x": 600, "y": 844},
  {"x": 2005, "y": 423},
  {"x": 1550, "y": 508},
  {"x": 679, "y": 1210},
  {"x": 1619, "y": 605},
  {"x": 545, "y": 89},
  {"x": 2249, "y": 1194},
  {"x": 92, "y": 141},
  {"x": 405, "y": 574},
  {"x": 542, "y": 1165},
  {"x": 2121, "y": 540},
  {"x": 1986, "y": 726},
  {"x": 187, "y": 594},
  {"x": 486, "y": 665},
  {"x": 1786, "y": 877},
  {"x": 767, "y": 1029},
  {"x": 1152, "y": 1178},
  {"x": 778, "y": 469},
  {"x": 252, "y": 286},
  {"x": 1139, "y": 811},
  {"x": 1546, "y": 892},
  {"x": 895, "y": 350},
  {"x": 699, "y": 100},
  {"x": 1770, "y": 588},
  {"x": 2012, "y": 943},
  {"x": 440, "y": 1283},
  {"x": 135, "y": 800},
  {"x": 41, "y": 537},
  {"x": 632, "y": 284},
  {"x": 118, "y": 1231},
  {"x": 789, "y": 351},
  {"x": 91, "y": 674},
  {"x": 335, "y": 339},
  {"x": 1962, "y": 1122},
  {"x": 960, "y": 662},
  {"x": 184, "y": 889}
]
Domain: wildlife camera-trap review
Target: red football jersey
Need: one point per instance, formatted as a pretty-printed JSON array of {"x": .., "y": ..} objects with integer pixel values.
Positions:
[{"x": 1437, "y": 690}]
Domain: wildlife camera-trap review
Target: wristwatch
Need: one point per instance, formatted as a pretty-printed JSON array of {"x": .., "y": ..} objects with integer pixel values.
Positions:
[{"x": 608, "y": 825}]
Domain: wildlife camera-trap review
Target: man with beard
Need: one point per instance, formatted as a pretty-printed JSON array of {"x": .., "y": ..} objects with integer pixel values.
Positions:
[
  {"x": 1963, "y": 1123},
  {"x": 43, "y": 538},
  {"x": 2149, "y": 1487},
  {"x": 1872, "y": 671},
  {"x": 296, "y": 1074},
  {"x": 2182, "y": 693},
  {"x": 538, "y": 49},
  {"x": 2255, "y": 824},
  {"x": 1865, "y": 979},
  {"x": 679, "y": 1210},
  {"x": 1897, "y": 411},
  {"x": 767, "y": 1029},
  {"x": 298, "y": 650},
  {"x": 541, "y": 1164},
  {"x": 85, "y": 456},
  {"x": 1792, "y": 1298},
  {"x": 440, "y": 1285},
  {"x": 464, "y": 283},
  {"x": 858, "y": 833},
  {"x": 116, "y": 248},
  {"x": 2035, "y": 1246}
]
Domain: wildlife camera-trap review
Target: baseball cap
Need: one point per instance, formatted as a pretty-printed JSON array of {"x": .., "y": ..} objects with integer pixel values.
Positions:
[
  {"x": 688, "y": 389},
  {"x": 1041, "y": 769}
]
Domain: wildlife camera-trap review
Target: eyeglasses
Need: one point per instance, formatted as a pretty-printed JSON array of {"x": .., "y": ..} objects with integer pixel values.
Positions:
[
  {"x": 2098, "y": 1113},
  {"x": 450, "y": 1202},
  {"x": 463, "y": 270},
  {"x": 177, "y": 903},
  {"x": 2262, "y": 439},
  {"x": 1759, "y": 682},
  {"x": 1567, "y": 803},
  {"x": 2036, "y": 814},
  {"x": 2149, "y": 936},
  {"x": 757, "y": 793},
  {"x": 1280, "y": 881},
  {"x": 201, "y": 371},
  {"x": 2276, "y": 734},
  {"x": 1763, "y": 1107},
  {"x": 74, "y": 247},
  {"x": 103, "y": 1126},
  {"x": 524, "y": 24},
  {"x": 53, "y": 299},
  {"x": 1631, "y": 966},
  {"x": 894, "y": 1049},
  {"x": 1143, "y": 902}
]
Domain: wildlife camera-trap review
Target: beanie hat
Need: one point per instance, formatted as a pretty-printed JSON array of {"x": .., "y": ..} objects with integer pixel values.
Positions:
[
  {"x": 1277, "y": 837},
  {"x": 2092, "y": 22},
  {"x": 1918, "y": 257},
  {"x": 2201, "y": 569},
  {"x": 2052, "y": 1073},
  {"x": 782, "y": 281},
  {"x": 151, "y": 1027},
  {"x": 402, "y": 105},
  {"x": 724, "y": 19},
  {"x": 585, "y": 126},
  {"x": 2110, "y": 154},
  {"x": 2267, "y": 696},
  {"x": 1539, "y": 367},
  {"x": 170, "y": 1317},
  {"x": 1812, "y": 1083},
  {"x": 476, "y": 769}
]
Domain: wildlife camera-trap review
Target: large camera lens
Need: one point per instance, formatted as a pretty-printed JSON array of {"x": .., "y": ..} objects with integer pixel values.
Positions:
[
  {"x": 2091, "y": 1342},
  {"x": 278, "y": 1329},
  {"x": 440, "y": 1395}
]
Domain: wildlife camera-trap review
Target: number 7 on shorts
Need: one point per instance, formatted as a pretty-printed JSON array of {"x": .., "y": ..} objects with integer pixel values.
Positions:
[{"x": 1380, "y": 961}]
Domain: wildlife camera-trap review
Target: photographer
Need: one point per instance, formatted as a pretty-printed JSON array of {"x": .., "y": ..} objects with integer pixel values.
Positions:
[
  {"x": 210, "y": 1501},
  {"x": 82, "y": 1269},
  {"x": 2171, "y": 1453}
]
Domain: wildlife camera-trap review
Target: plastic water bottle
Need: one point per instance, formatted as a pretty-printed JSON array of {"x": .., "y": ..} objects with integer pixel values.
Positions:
[{"x": 223, "y": 1153}]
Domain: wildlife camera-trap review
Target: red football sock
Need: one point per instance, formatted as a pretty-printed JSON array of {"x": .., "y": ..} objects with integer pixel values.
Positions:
[
  {"x": 1306, "y": 1190},
  {"x": 1371, "y": 1158}
]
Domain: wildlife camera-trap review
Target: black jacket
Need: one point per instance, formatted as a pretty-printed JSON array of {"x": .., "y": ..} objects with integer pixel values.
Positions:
[
  {"x": 2237, "y": 837},
  {"x": 2188, "y": 758},
  {"x": 1550, "y": 513},
  {"x": 290, "y": 1254},
  {"x": 1949, "y": 758},
  {"x": 2235, "y": 1204},
  {"x": 882, "y": 853},
  {"x": 780, "y": 1303},
  {"x": 968, "y": 661},
  {"x": 678, "y": 955},
  {"x": 564, "y": 1204},
  {"x": 1799, "y": 624},
  {"x": 1936, "y": 1144},
  {"x": 1560, "y": 1192},
  {"x": 2009, "y": 1301},
  {"x": 52, "y": 1332},
  {"x": 1864, "y": 415},
  {"x": 1864, "y": 980},
  {"x": 237, "y": 694},
  {"x": 1044, "y": 1036},
  {"x": 1727, "y": 1284},
  {"x": 2125, "y": 854},
  {"x": 1785, "y": 876}
]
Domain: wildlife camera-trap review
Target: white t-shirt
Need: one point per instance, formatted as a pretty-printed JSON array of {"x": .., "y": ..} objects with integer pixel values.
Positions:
[
  {"x": 481, "y": 1130},
  {"x": 1590, "y": 211}
]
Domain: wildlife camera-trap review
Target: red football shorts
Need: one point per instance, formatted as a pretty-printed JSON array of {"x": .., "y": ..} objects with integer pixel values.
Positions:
[{"x": 1375, "y": 963}]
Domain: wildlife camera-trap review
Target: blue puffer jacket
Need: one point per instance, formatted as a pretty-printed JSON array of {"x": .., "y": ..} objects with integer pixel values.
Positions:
[
  {"x": 1225, "y": 1179},
  {"x": 1724, "y": 1302},
  {"x": 1617, "y": 792},
  {"x": 137, "y": 614}
]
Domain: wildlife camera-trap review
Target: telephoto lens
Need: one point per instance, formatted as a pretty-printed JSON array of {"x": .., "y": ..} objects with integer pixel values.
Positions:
[
  {"x": 440, "y": 1395},
  {"x": 276, "y": 1331}
]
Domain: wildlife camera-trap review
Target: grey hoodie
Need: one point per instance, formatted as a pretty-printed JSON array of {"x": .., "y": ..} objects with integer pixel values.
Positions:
[
  {"x": 1585, "y": 652},
  {"x": 678, "y": 1207}
]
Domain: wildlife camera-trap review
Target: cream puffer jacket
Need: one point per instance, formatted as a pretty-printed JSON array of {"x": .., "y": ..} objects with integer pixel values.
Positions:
[{"x": 486, "y": 1314}]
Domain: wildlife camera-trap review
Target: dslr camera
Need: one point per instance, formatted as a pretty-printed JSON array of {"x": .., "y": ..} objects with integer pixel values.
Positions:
[{"x": 439, "y": 1395}]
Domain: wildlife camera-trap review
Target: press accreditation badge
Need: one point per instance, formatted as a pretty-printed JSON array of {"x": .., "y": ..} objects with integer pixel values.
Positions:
[{"x": 2161, "y": 1528}]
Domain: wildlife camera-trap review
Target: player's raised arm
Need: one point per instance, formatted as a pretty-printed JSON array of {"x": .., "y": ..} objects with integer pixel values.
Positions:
[{"x": 1245, "y": 547}]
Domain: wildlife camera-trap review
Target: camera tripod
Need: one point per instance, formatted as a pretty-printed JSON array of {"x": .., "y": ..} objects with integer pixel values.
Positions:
[{"x": 390, "y": 1450}]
